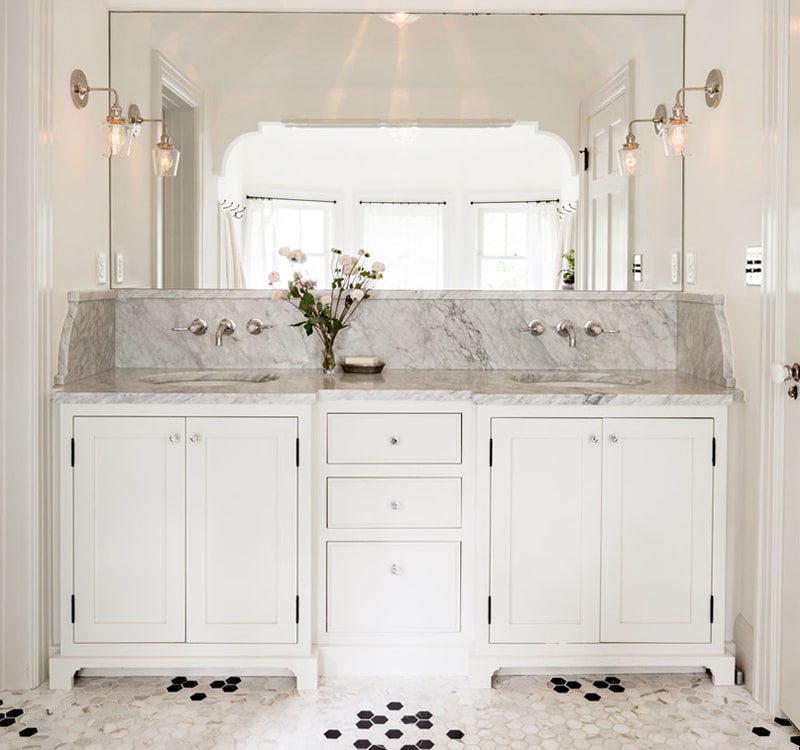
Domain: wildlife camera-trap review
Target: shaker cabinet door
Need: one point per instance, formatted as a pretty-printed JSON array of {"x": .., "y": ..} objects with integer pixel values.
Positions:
[
  {"x": 657, "y": 530},
  {"x": 545, "y": 530},
  {"x": 129, "y": 529}
]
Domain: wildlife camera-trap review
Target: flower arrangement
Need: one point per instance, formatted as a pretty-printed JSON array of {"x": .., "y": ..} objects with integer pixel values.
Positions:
[
  {"x": 328, "y": 313},
  {"x": 568, "y": 267}
]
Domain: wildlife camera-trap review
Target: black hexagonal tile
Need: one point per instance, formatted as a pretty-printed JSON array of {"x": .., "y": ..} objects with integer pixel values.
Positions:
[
  {"x": 616, "y": 688},
  {"x": 561, "y": 689},
  {"x": 409, "y": 719},
  {"x": 424, "y": 724},
  {"x": 394, "y": 734},
  {"x": 409, "y": 747},
  {"x": 363, "y": 744},
  {"x": 363, "y": 723},
  {"x": 7, "y": 722},
  {"x": 233, "y": 680},
  {"x": 781, "y": 722},
  {"x": 190, "y": 684},
  {"x": 2, "y": 716},
  {"x": 424, "y": 715},
  {"x": 795, "y": 740},
  {"x": 28, "y": 732},
  {"x": 424, "y": 744},
  {"x": 592, "y": 697},
  {"x": 197, "y": 697},
  {"x": 394, "y": 706},
  {"x": 332, "y": 734},
  {"x": 455, "y": 734},
  {"x": 1, "y": 702},
  {"x": 174, "y": 688},
  {"x": 613, "y": 680},
  {"x": 600, "y": 684},
  {"x": 230, "y": 688},
  {"x": 557, "y": 680},
  {"x": 761, "y": 731},
  {"x": 573, "y": 685},
  {"x": 178, "y": 680},
  {"x": 378, "y": 747},
  {"x": 365, "y": 714},
  {"x": 217, "y": 684},
  {"x": 379, "y": 719},
  {"x": 15, "y": 713}
]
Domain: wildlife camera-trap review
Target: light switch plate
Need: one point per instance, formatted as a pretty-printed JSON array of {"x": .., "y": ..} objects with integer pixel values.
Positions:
[
  {"x": 752, "y": 266},
  {"x": 675, "y": 268},
  {"x": 690, "y": 268},
  {"x": 102, "y": 268},
  {"x": 119, "y": 268},
  {"x": 636, "y": 268}
]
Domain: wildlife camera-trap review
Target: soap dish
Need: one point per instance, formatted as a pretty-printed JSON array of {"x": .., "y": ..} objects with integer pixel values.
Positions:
[{"x": 363, "y": 369}]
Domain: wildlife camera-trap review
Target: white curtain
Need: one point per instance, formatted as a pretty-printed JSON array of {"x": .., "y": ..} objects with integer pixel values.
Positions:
[
  {"x": 545, "y": 247},
  {"x": 566, "y": 234},
  {"x": 231, "y": 274},
  {"x": 259, "y": 249}
]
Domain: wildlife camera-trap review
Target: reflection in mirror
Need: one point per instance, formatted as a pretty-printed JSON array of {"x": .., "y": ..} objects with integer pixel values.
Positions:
[{"x": 449, "y": 146}]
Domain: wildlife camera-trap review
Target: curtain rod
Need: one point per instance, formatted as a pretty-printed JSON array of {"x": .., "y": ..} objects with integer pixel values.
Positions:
[
  {"x": 498, "y": 203},
  {"x": 297, "y": 200},
  {"x": 402, "y": 203}
]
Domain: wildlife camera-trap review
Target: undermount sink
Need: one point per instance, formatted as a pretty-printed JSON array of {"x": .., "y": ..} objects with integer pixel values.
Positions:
[
  {"x": 576, "y": 379},
  {"x": 210, "y": 377}
]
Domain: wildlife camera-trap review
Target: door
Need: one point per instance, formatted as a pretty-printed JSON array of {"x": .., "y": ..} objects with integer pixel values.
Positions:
[
  {"x": 129, "y": 529},
  {"x": 603, "y": 259},
  {"x": 545, "y": 530},
  {"x": 241, "y": 507},
  {"x": 657, "y": 527}
]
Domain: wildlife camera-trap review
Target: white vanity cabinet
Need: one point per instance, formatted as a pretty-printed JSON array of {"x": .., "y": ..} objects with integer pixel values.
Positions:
[
  {"x": 394, "y": 501},
  {"x": 179, "y": 539},
  {"x": 604, "y": 539}
]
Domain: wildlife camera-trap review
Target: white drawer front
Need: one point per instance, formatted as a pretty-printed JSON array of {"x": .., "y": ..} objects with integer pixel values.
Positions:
[
  {"x": 391, "y": 587},
  {"x": 394, "y": 438},
  {"x": 394, "y": 502}
]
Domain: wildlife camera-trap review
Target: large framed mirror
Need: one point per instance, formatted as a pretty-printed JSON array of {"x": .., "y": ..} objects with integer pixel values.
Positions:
[{"x": 466, "y": 151}]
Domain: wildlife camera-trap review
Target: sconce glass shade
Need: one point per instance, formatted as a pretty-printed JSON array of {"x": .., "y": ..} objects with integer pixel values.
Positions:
[
  {"x": 165, "y": 159},
  {"x": 116, "y": 135},
  {"x": 628, "y": 160},
  {"x": 676, "y": 133}
]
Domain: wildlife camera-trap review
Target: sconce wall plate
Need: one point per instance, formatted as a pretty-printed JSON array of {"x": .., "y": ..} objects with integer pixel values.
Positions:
[
  {"x": 713, "y": 88},
  {"x": 659, "y": 119},
  {"x": 79, "y": 88}
]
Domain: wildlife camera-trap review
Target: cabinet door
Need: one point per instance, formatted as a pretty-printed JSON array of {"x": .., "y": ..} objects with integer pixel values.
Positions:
[
  {"x": 241, "y": 507},
  {"x": 545, "y": 530},
  {"x": 129, "y": 529},
  {"x": 657, "y": 525}
]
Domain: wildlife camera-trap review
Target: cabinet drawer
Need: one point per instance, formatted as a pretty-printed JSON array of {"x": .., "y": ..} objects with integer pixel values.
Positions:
[
  {"x": 394, "y": 438},
  {"x": 394, "y": 502},
  {"x": 392, "y": 587}
]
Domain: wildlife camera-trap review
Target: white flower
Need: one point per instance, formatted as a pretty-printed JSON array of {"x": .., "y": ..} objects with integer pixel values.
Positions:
[
  {"x": 325, "y": 299},
  {"x": 297, "y": 256},
  {"x": 274, "y": 277},
  {"x": 378, "y": 267},
  {"x": 346, "y": 260},
  {"x": 357, "y": 294},
  {"x": 348, "y": 269},
  {"x": 284, "y": 251},
  {"x": 278, "y": 295}
]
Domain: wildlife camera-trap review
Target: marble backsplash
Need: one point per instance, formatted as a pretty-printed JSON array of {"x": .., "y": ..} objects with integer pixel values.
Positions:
[{"x": 407, "y": 330}]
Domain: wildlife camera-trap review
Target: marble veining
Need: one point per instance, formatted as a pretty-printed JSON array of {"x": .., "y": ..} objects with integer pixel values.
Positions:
[{"x": 92, "y": 348}]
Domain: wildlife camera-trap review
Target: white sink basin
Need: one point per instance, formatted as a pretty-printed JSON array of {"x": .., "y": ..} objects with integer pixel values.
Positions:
[
  {"x": 210, "y": 377},
  {"x": 576, "y": 379}
]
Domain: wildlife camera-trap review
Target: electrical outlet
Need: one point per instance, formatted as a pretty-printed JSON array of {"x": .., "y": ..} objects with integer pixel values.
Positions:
[
  {"x": 636, "y": 267},
  {"x": 752, "y": 266},
  {"x": 119, "y": 268},
  {"x": 102, "y": 268},
  {"x": 675, "y": 268},
  {"x": 690, "y": 268}
]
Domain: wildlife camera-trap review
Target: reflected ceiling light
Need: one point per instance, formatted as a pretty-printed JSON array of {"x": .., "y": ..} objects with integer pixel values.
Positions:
[
  {"x": 404, "y": 134},
  {"x": 376, "y": 123},
  {"x": 400, "y": 18},
  {"x": 165, "y": 155},
  {"x": 675, "y": 130},
  {"x": 115, "y": 128},
  {"x": 628, "y": 155}
]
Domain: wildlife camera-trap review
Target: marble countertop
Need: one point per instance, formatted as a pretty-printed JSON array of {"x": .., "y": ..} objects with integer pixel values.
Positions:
[{"x": 509, "y": 387}]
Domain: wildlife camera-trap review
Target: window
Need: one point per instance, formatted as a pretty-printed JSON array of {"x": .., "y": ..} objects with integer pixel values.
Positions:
[{"x": 407, "y": 237}]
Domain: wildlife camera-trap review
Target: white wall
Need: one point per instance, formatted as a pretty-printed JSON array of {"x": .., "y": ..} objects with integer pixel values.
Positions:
[{"x": 724, "y": 193}]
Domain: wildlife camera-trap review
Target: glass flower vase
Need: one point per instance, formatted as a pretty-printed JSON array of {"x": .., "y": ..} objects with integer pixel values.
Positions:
[{"x": 328, "y": 357}]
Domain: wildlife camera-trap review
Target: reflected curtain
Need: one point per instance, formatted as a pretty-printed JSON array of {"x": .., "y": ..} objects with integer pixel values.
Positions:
[
  {"x": 259, "y": 249},
  {"x": 545, "y": 254},
  {"x": 566, "y": 239},
  {"x": 231, "y": 273}
]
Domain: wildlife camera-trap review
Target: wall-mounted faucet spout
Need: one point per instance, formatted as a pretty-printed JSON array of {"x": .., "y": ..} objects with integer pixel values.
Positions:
[
  {"x": 565, "y": 328},
  {"x": 225, "y": 328}
]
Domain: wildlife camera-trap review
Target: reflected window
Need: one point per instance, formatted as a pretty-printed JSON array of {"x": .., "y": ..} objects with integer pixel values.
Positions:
[
  {"x": 518, "y": 245},
  {"x": 408, "y": 237}
]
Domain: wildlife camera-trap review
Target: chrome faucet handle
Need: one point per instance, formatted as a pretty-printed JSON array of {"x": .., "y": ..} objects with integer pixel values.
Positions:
[
  {"x": 566, "y": 328},
  {"x": 198, "y": 327},
  {"x": 225, "y": 328},
  {"x": 534, "y": 328},
  {"x": 255, "y": 326},
  {"x": 593, "y": 328}
]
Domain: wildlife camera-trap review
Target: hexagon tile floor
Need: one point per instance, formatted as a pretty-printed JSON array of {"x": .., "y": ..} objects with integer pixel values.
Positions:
[{"x": 593, "y": 712}]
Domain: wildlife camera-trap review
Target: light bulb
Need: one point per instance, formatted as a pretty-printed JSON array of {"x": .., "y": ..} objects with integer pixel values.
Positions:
[
  {"x": 164, "y": 160},
  {"x": 677, "y": 137},
  {"x": 628, "y": 158},
  {"x": 630, "y": 161},
  {"x": 116, "y": 139}
]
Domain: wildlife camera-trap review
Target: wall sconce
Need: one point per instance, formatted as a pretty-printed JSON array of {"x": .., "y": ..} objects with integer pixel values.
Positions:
[
  {"x": 628, "y": 156},
  {"x": 116, "y": 129},
  {"x": 675, "y": 130},
  {"x": 165, "y": 155}
]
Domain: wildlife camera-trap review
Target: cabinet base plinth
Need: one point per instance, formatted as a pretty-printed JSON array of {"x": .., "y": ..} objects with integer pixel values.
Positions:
[
  {"x": 483, "y": 668},
  {"x": 305, "y": 668}
]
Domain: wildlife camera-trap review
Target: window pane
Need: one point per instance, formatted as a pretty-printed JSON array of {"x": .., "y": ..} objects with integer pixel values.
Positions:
[{"x": 503, "y": 273}]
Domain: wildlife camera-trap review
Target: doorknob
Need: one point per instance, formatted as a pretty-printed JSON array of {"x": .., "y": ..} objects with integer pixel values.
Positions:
[{"x": 782, "y": 373}]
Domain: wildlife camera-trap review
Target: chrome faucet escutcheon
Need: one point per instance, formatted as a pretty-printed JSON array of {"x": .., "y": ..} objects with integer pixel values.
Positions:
[
  {"x": 565, "y": 328},
  {"x": 225, "y": 328}
]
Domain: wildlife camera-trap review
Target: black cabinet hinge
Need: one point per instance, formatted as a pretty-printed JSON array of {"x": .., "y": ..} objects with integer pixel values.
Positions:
[
  {"x": 72, "y": 609},
  {"x": 711, "y": 610},
  {"x": 713, "y": 451},
  {"x": 491, "y": 452},
  {"x": 490, "y": 610},
  {"x": 72, "y": 452},
  {"x": 297, "y": 610},
  {"x": 297, "y": 452},
  {"x": 585, "y": 152}
]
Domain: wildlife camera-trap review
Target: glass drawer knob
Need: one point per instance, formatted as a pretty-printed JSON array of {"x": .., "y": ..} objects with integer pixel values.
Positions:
[
  {"x": 393, "y": 440},
  {"x": 395, "y": 504},
  {"x": 396, "y": 570},
  {"x": 174, "y": 438},
  {"x": 194, "y": 438}
]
